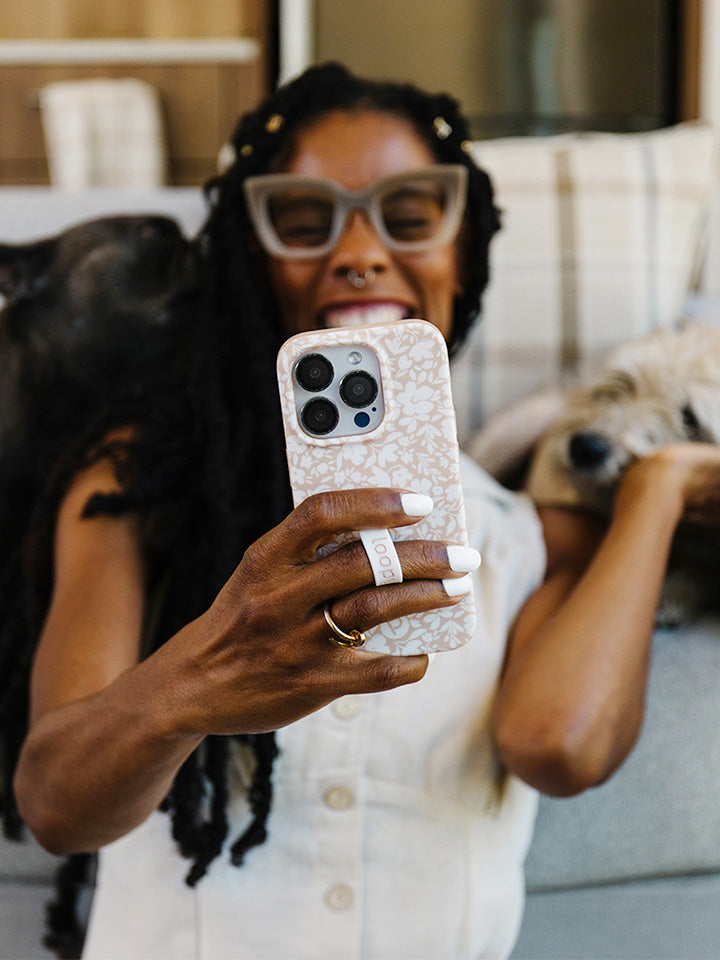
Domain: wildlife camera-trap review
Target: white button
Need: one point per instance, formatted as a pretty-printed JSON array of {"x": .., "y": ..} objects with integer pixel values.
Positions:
[
  {"x": 338, "y": 798},
  {"x": 339, "y": 897},
  {"x": 346, "y": 707}
]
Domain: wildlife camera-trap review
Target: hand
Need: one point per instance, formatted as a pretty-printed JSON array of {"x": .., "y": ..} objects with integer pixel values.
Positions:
[
  {"x": 692, "y": 472},
  {"x": 260, "y": 657}
]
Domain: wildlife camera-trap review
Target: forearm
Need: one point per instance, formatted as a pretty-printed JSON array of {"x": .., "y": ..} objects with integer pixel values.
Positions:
[
  {"x": 571, "y": 703},
  {"x": 92, "y": 770}
]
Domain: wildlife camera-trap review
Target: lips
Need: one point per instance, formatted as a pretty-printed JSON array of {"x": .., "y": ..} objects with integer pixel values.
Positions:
[{"x": 364, "y": 314}]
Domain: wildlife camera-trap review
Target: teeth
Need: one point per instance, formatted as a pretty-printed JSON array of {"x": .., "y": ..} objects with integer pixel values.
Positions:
[{"x": 364, "y": 315}]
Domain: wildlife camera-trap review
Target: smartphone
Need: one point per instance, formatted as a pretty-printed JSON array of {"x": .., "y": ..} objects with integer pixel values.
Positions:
[{"x": 372, "y": 407}]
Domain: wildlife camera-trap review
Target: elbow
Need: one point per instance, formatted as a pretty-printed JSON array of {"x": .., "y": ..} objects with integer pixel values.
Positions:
[
  {"x": 40, "y": 822},
  {"x": 553, "y": 757},
  {"x": 44, "y": 819}
]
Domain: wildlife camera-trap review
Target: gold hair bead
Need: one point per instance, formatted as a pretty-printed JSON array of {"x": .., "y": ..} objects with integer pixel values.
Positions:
[
  {"x": 466, "y": 146},
  {"x": 246, "y": 150},
  {"x": 274, "y": 122},
  {"x": 442, "y": 128}
]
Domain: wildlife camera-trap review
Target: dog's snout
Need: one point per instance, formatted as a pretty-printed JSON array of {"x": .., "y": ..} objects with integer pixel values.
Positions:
[{"x": 588, "y": 450}]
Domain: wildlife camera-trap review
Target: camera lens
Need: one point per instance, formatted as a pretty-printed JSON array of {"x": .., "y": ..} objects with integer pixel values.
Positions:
[
  {"x": 314, "y": 372},
  {"x": 319, "y": 416},
  {"x": 358, "y": 389}
]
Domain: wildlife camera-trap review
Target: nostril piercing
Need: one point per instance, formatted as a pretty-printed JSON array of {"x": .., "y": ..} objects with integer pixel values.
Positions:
[{"x": 358, "y": 280}]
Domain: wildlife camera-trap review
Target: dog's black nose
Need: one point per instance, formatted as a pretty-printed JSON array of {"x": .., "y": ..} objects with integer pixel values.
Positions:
[{"x": 588, "y": 450}]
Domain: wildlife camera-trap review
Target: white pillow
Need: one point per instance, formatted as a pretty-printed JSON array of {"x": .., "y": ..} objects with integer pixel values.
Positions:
[{"x": 602, "y": 238}]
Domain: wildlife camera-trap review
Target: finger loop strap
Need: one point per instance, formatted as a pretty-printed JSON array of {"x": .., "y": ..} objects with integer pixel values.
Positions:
[
  {"x": 382, "y": 555},
  {"x": 341, "y": 639}
]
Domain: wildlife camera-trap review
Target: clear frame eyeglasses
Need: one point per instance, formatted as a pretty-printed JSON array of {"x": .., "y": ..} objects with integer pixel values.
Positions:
[{"x": 297, "y": 217}]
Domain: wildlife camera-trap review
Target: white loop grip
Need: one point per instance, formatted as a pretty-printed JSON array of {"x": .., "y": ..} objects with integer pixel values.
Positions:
[{"x": 382, "y": 555}]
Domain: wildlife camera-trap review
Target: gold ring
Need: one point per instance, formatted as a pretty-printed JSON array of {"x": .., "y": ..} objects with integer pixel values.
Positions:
[{"x": 341, "y": 639}]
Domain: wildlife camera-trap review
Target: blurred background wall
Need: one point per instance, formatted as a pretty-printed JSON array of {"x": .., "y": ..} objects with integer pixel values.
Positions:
[
  {"x": 517, "y": 66},
  {"x": 204, "y": 83}
]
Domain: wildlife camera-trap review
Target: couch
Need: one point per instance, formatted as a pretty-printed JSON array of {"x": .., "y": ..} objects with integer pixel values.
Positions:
[{"x": 602, "y": 240}]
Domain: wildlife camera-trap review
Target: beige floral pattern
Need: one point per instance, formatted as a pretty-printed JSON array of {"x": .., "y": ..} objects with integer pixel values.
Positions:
[{"x": 414, "y": 448}]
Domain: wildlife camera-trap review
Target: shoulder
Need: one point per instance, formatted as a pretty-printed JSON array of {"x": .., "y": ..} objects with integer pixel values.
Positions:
[
  {"x": 493, "y": 507},
  {"x": 505, "y": 527},
  {"x": 569, "y": 535},
  {"x": 98, "y": 480},
  {"x": 98, "y": 473}
]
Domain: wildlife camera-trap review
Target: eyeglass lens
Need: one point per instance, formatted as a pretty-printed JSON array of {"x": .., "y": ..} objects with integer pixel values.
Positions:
[
  {"x": 410, "y": 213},
  {"x": 301, "y": 218}
]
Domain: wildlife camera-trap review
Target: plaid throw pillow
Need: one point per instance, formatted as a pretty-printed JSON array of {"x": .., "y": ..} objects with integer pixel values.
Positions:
[{"x": 602, "y": 238}]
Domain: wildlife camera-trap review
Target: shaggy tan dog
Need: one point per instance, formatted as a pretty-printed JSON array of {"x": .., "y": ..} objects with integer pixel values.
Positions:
[
  {"x": 658, "y": 390},
  {"x": 661, "y": 389}
]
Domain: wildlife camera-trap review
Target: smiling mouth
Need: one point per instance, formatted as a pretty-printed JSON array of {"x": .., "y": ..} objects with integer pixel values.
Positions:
[{"x": 365, "y": 314}]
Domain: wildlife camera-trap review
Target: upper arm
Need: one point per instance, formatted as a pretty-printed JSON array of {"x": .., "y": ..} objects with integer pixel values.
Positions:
[
  {"x": 93, "y": 627},
  {"x": 571, "y": 540}
]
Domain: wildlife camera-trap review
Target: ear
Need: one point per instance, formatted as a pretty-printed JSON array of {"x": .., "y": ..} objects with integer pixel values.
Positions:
[{"x": 23, "y": 266}]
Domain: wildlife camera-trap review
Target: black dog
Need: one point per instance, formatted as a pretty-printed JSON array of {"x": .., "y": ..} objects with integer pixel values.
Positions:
[
  {"x": 97, "y": 316},
  {"x": 90, "y": 313}
]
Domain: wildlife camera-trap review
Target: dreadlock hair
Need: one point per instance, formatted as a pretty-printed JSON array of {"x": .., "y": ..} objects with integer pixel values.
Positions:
[
  {"x": 249, "y": 329},
  {"x": 205, "y": 465}
]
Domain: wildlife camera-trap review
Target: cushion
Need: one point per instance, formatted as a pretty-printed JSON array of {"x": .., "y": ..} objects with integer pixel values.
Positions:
[
  {"x": 658, "y": 815},
  {"x": 28, "y": 213},
  {"x": 22, "y": 920},
  {"x": 672, "y": 918},
  {"x": 603, "y": 235}
]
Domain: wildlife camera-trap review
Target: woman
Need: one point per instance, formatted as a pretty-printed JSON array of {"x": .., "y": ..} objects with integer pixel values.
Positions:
[{"x": 400, "y": 819}]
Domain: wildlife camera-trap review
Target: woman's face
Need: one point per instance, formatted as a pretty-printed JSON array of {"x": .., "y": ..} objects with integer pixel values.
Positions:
[{"x": 354, "y": 149}]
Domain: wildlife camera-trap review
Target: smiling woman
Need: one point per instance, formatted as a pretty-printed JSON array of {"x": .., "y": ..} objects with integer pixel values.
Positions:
[{"x": 394, "y": 820}]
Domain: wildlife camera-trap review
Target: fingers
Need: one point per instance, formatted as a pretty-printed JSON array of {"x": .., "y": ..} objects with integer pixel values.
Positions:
[
  {"x": 348, "y": 569},
  {"x": 372, "y": 606},
  {"x": 375, "y": 672},
  {"x": 319, "y": 519}
]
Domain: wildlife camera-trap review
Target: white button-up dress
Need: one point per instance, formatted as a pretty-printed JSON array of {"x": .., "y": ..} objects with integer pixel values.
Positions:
[{"x": 387, "y": 837}]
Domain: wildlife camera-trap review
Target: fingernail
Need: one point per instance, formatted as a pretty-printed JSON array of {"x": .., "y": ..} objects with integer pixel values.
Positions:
[
  {"x": 457, "y": 586},
  {"x": 416, "y": 504},
  {"x": 463, "y": 559}
]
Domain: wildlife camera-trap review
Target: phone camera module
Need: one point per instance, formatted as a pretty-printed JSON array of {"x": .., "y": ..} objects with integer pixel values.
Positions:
[
  {"x": 319, "y": 416},
  {"x": 358, "y": 389},
  {"x": 314, "y": 372}
]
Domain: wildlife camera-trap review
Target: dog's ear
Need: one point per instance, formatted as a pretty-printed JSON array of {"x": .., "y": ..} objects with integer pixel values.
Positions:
[{"x": 23, "y": 266}]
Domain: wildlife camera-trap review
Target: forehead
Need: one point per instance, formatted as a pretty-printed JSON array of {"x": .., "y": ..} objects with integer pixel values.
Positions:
[{"x": 355, "y": 147}]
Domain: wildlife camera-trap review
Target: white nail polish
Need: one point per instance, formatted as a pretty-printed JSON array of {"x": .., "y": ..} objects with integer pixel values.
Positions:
[
  {"x": 463, "y": 559},
  {"x": 456, "y": 587},
  {"x": 416, "y": 504}
]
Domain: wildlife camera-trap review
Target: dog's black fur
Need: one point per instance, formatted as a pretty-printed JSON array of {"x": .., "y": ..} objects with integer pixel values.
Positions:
[
  {"x": 88, "y": 313},
  {"x": 101, "y": 315}
]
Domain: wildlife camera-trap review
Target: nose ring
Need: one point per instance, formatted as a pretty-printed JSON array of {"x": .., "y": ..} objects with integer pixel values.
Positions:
[{"x": 358, "y": 280}]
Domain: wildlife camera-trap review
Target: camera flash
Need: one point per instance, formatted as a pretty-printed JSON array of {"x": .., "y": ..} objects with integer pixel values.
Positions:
[{"x": 354, "y": 357}]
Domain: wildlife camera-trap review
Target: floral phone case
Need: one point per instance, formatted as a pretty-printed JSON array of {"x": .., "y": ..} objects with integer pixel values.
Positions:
[{"x": 404, "y": 437}]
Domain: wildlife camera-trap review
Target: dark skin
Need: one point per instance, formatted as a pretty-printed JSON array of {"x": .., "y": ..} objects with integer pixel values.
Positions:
[{"x": 108, "y": 732}]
